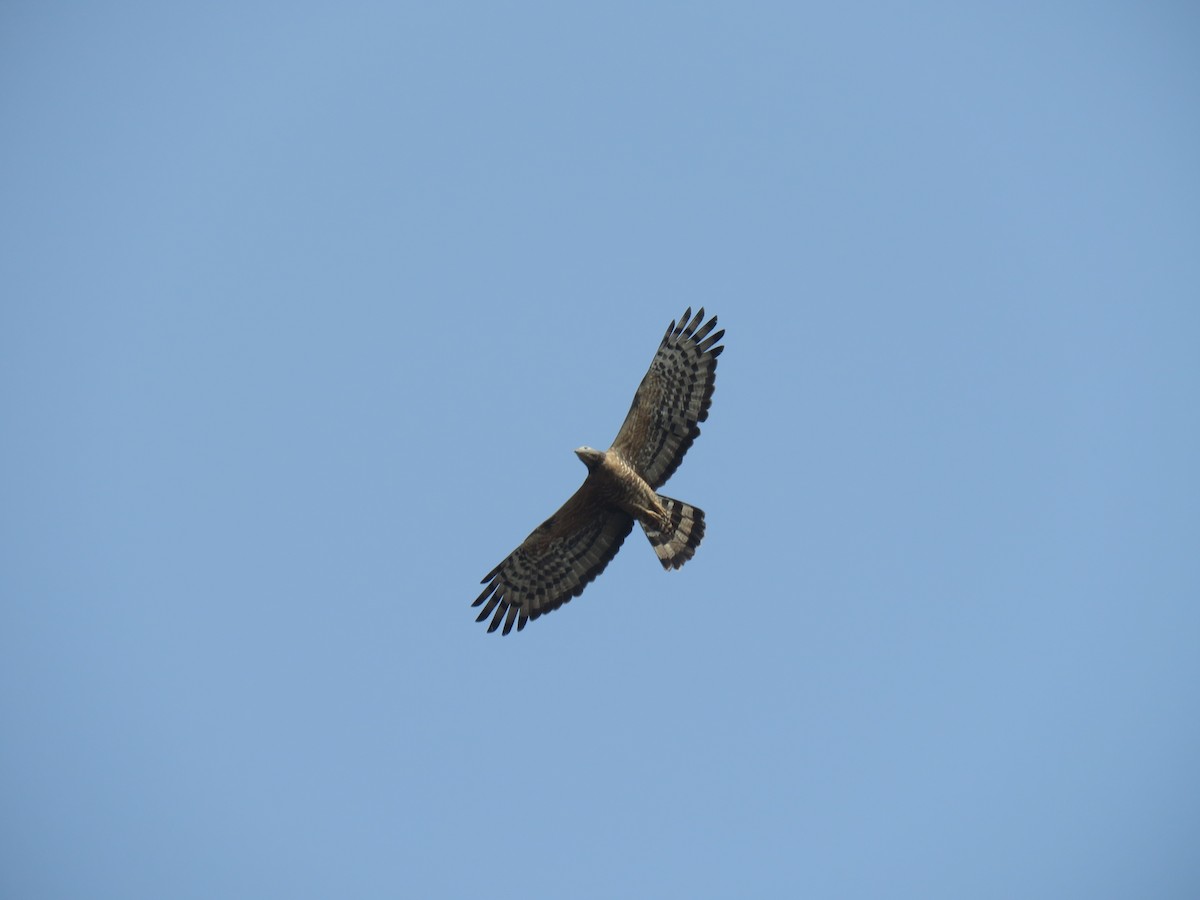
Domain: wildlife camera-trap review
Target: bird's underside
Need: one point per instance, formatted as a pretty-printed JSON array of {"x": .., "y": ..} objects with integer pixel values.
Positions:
[{"x": 563, "y": 554}]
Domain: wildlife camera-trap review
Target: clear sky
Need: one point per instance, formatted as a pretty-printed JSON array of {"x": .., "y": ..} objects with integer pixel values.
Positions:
[{"x": 305, "y": 306}]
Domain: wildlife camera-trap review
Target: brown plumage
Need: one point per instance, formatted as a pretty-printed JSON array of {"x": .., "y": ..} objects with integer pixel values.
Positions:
[{"x": 573, "y": 546}]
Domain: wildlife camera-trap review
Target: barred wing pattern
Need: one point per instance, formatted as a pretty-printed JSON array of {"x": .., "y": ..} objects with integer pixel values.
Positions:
[
  {"x": 672, "y": 399},
  {"x": 555, "y": 563}
]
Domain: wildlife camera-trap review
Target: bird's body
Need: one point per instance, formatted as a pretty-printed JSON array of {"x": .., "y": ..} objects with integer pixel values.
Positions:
[
  {"x": 573, "y": 546},
  {"x": 618, "y": 484},
  {"x": 673, "y": 527}
]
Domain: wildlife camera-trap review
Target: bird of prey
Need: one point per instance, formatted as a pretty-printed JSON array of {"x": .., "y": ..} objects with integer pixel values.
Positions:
[{"x": 563, "y": 554}]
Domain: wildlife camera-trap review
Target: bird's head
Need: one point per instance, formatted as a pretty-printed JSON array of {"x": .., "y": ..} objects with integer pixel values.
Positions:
[{"x": 591, "y": 458}]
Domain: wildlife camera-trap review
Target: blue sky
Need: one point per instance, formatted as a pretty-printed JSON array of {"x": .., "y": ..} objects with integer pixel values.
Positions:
[{"x": 306, "y": 306}]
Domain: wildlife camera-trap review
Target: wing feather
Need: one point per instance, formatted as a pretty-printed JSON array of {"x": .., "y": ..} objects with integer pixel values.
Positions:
[
  {"x": 555, "y": 563},
  {"x": 673, "y": 398}
]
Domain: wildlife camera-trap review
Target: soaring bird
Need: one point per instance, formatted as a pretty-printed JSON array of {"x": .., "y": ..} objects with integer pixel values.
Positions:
[{"x": 563, "y": 554}]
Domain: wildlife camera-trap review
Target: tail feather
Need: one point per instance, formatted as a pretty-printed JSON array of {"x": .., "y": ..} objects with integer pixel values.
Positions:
[{"x": 676, "y": 543}]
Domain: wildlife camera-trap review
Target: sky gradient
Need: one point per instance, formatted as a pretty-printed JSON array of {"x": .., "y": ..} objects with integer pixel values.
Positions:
[{"x": 305, "y": 307}]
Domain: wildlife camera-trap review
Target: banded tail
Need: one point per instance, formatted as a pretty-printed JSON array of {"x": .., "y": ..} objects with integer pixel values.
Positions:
[{"x": 677, "y": 544}]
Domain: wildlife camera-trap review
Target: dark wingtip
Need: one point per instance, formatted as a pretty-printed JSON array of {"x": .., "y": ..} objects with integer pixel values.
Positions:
[
  {"x": 486, "y": 591},
  {"x": 710, "y": 340},
  {"x": 510, "y": 618},
  {"x": 678, "y": 328}
]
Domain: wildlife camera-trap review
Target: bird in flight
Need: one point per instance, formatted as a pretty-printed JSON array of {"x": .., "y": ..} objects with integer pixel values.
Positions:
[{"x": 563, "y": 554}]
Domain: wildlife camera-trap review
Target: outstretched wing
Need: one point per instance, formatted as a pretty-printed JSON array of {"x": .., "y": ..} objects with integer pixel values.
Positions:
[
  {"x": 555, "y": 563},
  {"x": 672, "y": 399}
]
